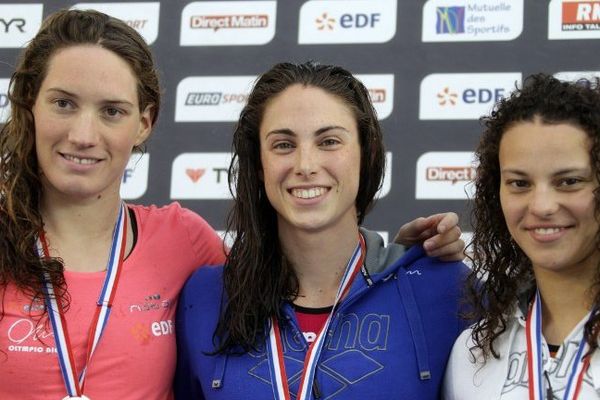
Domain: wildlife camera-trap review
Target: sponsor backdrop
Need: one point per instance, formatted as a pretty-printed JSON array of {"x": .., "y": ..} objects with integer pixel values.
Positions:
[{"x": 432, "y": 67}]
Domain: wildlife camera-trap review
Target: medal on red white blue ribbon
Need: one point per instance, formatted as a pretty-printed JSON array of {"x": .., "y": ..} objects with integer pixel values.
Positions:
[
  {"x": 73, "y": 384},
  {"x": 535, "y": 369},
  {"x": 275, "y": 349}
]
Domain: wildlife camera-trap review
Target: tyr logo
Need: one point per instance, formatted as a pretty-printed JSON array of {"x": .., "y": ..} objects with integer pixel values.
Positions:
[{"x": 16, "y": 23}]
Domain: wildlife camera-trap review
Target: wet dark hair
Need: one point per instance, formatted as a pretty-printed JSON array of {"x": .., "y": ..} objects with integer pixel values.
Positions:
[
  {"x": 496, "y": 256},
  {"x": 20, "y": 187},
  {"x": 257, "y": 276}
]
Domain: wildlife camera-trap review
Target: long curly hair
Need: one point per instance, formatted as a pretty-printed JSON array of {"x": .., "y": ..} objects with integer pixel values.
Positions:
[
  {"x": 257, "y": 277},
  {"x": 20, "y": 186},
  {"x": 503, "y": 268}
]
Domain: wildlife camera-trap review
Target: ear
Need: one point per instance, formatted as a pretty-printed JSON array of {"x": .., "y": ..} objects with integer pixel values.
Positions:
[
  {"x": 145, "y": 125},
  {"x": 261, "y": 175}
]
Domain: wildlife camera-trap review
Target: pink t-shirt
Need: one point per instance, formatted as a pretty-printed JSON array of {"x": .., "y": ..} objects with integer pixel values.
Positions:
[{"x": 135, "y": 358}]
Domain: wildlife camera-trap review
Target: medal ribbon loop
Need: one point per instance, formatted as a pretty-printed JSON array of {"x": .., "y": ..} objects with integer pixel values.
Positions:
[
  {"x": 73, "y": 385},
  {"x": 535, "y": 368},
  {"x": 275, "y": 348}
]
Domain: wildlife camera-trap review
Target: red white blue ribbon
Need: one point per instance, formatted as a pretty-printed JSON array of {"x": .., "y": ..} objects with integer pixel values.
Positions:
[
  {"x": 275, "y": 348},
  {"x": 535, "y": 369},
  {"x": 74, "y": 385}
]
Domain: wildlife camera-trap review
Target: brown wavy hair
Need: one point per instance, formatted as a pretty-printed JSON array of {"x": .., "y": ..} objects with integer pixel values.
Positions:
[
  {"x": 497, "y": 259},
  {"x": 257, "y": 277},
  {"x": 20, "y": 186}
]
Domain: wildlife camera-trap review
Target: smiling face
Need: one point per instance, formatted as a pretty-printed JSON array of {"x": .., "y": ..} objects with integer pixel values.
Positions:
[
  {"x": 87, "y": 121},
  {"x": 310, "y": 155},
  {"x": 546, "y": 193}
]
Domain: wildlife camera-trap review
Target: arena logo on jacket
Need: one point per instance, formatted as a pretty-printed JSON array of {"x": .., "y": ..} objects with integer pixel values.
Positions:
[
  {"x": 356, "y": 341},
  {"x": 19, "y": 23},
  {"x": 517, "y": 381},
  {"x": 141, "y": 16},
  {"x": 472, "y": 20}
]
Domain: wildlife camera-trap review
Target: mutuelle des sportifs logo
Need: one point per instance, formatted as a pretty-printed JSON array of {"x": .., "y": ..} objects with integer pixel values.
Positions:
[
  {"x": 472, "y": 20},
  {"x": 463, "y": 95},
  {"x": 348, "y": 21}
]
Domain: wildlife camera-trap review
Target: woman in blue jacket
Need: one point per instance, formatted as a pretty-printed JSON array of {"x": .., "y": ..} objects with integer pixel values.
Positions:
[{"x": 310, "y": 305}]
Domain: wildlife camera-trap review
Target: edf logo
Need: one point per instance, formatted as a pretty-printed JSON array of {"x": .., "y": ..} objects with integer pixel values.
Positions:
[
  {"x": 359, "y": 20},
  {"x": 464, "y": 95},
  {"x": 482, "y": 95},
  {"x": 127, "y": 174},
  {"x": 334, "y": 21}
]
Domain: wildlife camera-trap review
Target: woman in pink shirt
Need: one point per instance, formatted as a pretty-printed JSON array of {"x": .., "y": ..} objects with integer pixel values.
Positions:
[{"x": 89, "y": 284}]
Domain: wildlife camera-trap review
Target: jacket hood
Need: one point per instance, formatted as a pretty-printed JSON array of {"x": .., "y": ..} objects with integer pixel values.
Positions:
[{"x": 389, "y": 258}]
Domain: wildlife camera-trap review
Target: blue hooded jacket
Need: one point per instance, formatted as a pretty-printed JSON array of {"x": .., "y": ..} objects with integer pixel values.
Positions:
[{"x": 389, "y": 338}]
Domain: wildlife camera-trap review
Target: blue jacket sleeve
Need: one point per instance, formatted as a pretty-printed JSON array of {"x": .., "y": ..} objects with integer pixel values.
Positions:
[{"x": 186, "y": 385}]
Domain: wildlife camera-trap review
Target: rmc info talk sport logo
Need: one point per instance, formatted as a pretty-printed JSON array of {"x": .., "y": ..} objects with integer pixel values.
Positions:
[{"x": 568, "y": 19}]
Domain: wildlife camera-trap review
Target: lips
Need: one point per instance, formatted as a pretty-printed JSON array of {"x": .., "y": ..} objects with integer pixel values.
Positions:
[
  {"x": 546, "y": 231},
  {"x": 547, "y": 234},
  {"x": 79, "y": 159},
  {"x": 308, "y": 193}
]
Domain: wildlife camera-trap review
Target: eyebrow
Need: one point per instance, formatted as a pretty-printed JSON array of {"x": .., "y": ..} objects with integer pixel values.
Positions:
[
  {"x": 320, "y": 131},
  {"x": 73, "y": 95},
  {"x": 560, "y": 172}
]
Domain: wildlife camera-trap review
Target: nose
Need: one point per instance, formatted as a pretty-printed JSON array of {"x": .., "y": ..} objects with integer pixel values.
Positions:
[
  {"x": 306, "y": 160},
  {"x": 84, "y": 130},
  {"x": 544, "y": 202}
]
